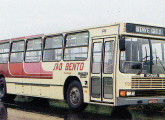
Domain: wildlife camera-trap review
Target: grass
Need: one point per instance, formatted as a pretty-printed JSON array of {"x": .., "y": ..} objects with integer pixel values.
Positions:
[
  {"x": 61, "y": 104},
  {"x": 91, "y": 108},
  {"x": 93, "y": 111},
  {"x": 98, "y": 109}
]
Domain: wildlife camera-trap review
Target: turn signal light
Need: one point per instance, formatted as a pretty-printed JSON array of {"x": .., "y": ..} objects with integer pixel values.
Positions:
[{"x": 122, "y": 93}]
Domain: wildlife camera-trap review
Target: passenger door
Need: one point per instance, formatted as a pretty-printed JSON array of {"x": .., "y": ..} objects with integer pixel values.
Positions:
[{"x": 102, "y": 70}]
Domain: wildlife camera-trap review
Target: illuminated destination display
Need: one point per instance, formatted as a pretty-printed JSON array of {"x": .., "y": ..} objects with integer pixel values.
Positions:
[{"x": 142, "y": 29}]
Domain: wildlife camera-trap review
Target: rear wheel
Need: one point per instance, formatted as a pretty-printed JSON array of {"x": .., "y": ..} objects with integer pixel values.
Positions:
[
  {"x": 75, "y": 96},
  {"x": 2, "y": 88},
  {"x": 3, "y": 95}
]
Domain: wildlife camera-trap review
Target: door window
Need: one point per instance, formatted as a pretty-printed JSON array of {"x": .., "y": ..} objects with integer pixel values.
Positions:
[
  {"x": 97, "y": 53},
  {"x": 108, "y": 59}
]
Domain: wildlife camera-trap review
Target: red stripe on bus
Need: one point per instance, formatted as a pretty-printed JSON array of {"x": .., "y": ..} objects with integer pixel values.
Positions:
[
  {"x": 6, "y": 40},
  {"x": 4, "y": 69},
  {"x": 16, "y": 69},
  {"x": 17, "y": 38},
  {"x": 35, "y": 68},
  {"x": 38, "y": 35},
  {"x": 33, "y": 77},
  {"x": 28, "y": 70}
]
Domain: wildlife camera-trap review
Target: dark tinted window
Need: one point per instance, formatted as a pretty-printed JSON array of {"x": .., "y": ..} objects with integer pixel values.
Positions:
[
  {"x": 4, "y": 52},
  {"x": 33, "y": 52},
  {"x": 17, "y": 52},
  {"x": 76, "y": 46},
  {"x": 79, "y": 39},
  {"x": 34, "y": 44},
  {"x": 53, "y": 42},
  {"x": 53, "y": 48},
  {"x": 18, "y": 46},
  {"x": 4, "y": 47}
]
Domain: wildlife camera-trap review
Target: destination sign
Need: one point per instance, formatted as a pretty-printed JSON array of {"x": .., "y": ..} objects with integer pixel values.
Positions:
[{"x": 142, "y": 29}]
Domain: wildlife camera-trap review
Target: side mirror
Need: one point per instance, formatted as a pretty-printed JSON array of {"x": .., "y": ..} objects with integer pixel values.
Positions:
[{"x": 122, "y": 44}]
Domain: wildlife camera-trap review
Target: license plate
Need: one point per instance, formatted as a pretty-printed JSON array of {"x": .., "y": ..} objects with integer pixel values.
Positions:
[{"x": 152, "y": 101}]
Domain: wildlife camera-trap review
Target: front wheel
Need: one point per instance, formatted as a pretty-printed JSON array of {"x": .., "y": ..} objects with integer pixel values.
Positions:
[{"x": 75, "y": 96}]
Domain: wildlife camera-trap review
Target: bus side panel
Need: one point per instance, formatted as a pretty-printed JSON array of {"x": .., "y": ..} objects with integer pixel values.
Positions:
[
  {"x": 53, "y": 92},
  {"x": 13, "y": 88},
  {"x": 61, "y": 71},
  {"x": 55, "y": 86},
  {"x": 81, "y": 68},
  {"x": 10, "y": 88}
]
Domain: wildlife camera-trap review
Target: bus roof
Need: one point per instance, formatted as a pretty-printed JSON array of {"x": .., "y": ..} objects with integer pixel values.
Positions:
[{"x": 144, "y": 27}]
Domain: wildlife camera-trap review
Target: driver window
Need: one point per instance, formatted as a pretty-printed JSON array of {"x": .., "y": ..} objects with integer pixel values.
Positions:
[{"x": 135, "y": 56}]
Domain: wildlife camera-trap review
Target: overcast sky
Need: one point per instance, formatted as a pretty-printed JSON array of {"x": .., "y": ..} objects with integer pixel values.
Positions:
[{"x": 28, "y": 17}]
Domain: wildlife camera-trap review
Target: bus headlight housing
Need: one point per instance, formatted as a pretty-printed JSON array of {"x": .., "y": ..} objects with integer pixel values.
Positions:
[{"x": 127, "y": 93}]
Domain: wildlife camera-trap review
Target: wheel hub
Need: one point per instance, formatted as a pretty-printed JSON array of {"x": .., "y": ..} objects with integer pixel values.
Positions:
[{"x": 75, "y": 95}]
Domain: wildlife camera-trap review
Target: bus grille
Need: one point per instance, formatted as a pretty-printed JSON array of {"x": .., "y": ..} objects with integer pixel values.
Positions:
[{"x": 147, "y": 82}]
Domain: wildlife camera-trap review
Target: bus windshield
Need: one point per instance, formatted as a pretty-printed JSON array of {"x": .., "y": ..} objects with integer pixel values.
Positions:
[{"x": 143, "y": 55}]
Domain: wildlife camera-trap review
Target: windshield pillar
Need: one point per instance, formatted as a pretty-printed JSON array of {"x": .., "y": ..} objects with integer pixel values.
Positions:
[{"x": 151, "y": 58}]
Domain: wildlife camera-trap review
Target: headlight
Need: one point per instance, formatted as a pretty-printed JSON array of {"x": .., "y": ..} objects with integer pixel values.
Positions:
[
  {"x": 130, "y": 93},
  {"x": 125, "y": 93}
]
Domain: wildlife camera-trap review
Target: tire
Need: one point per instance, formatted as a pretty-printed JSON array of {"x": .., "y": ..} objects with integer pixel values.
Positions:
[
  {"x": 2, "y": 88},
  {"x": 75, "y": 96},
  {"x": 3, "y": 94}
]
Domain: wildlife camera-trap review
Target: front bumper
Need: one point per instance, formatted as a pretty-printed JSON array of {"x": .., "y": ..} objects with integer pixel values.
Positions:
[{"x": 139, "y": 100}]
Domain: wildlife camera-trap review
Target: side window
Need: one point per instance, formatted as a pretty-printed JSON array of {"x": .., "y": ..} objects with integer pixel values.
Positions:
[
  {"x": 76, "y": 46},
  {"x": 53, "y": 48},
  {"x": 17, "y": 52},
  {"x": 108, "y": 59},
  {"x": 4, "y": 52},
  {"x": 33, "y": 51}
]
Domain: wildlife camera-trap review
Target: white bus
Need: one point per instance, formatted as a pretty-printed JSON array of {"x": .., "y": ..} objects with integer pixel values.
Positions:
[{"x": 115, "y": 65}]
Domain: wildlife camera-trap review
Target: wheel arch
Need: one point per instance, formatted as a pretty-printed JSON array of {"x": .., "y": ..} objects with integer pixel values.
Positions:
[{"x": 68, "y": 80}]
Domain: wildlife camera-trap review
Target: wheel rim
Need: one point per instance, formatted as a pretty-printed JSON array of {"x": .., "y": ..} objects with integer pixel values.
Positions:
[
  {"x": 2, "y": 89},
  {"x": 75, "y": 96}
]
